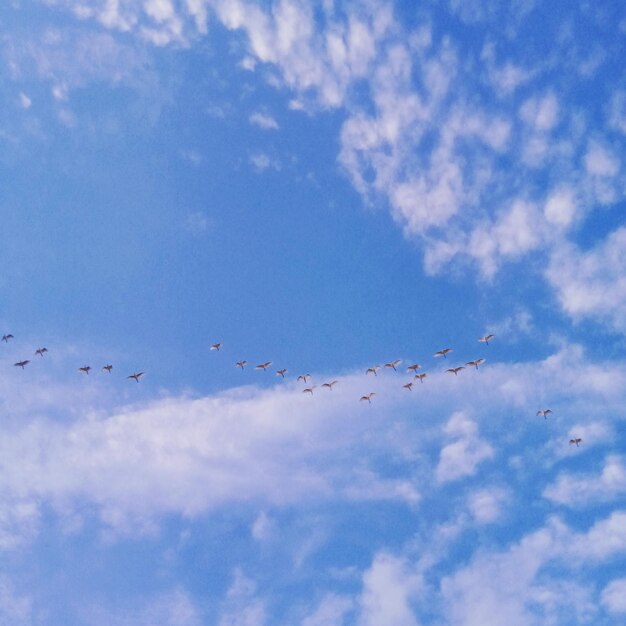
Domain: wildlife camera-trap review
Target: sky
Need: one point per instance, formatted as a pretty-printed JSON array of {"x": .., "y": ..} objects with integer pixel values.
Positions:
[{"x": 327, "y": 186}]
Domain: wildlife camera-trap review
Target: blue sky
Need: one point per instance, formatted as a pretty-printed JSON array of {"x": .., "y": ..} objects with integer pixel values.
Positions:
[{"x": 327, "y": 186}]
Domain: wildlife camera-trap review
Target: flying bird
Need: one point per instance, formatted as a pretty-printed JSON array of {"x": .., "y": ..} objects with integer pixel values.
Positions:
[
  {"x": 408, "y": 386},
  {"x": 303, "y": 377},
  {"x": 6, "y": 338},
  {"x": 486, "y": 339},
  {"x": 309, "y": 390},
  {"x": 544, "y": 412},
  {"x": 455, "y": 370},
  {"x": 330, "y": 385},
  {"x": 372, "y": 370},
  {"x": 443, "y": 352},
  {"x": 40, "y": 351},
  {"x": 21, "y": 363},
  {"x": 413, "y": 368},
  {"x": 368, "y": 397},
  {"x": 421, "y": 377},
  {"x": 241, "y": 364},
  {"x": 136, "y": 376},
  {"x": 475, "y": 363},
  {"x": 393, "y": 364},
  {"x": 576, "y": 440},
  {"x": 263, "y": 366},
  {"x": 281, "y": 372},
  {"x": 216, "y": 346},
  {"x": 84, "y": 368},
  {"x": 107, "y": 368}
]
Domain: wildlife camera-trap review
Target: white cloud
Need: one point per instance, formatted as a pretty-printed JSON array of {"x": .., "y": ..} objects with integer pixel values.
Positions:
[
  {"x": 15, "y": 608},
  {"x": 262, "y": 161},
  {"x": 561, "y": 207},
  {"x": 614, "y": 596},
  {"x": 599, "y": 160},
  {"x": 331, "y": 611},
  {"x": 461, "y": 457},
  {"x": 541, "y": 113},
  {"x": 263, "y": 120},
  {"x": 263, "y": 527},
  {"x": 242, "y": 605},
  {"x": 389, "y": 587},
  {"x": 486, "y": 505},
  {"x": 617, "y": 111}
]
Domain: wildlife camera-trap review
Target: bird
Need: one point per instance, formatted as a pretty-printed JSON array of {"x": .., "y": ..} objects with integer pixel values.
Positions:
[
  {"x": 421, "y": 377},
  {"x": 455, "y": 370},
  {"x": 486, "y": 339},
  {"x": 330, "y": 385},
  {"x": 6, "y": 338},
  {"x": 476, "y": 363},
  {"x": 216, "y": 346},
  {"x": 303, "y": 377},
  {"x": 241, "y": 364},
  {"x": 372, "y": 370},
  {"x": 21, "y": 363},
  {"x": 136, "y": 376},
  {"x": 309, "y": 390},
  {"x": 393, "y": 364},
  {"x": 107, "y": 368},
  {"x": 408, "y": 386},
  {"x": 281, "y": 372},
  {"x": 84, "y": 368},
  {"x": 40, "y": 351},
  {"x": 443, "y": 352},
  {"x": 368, "y": 397},
  {"x": 263, "y": 366},
  {"x": 544, "y": 412},
  {"x": 576, "y": 440},
  {"x": 413, "y": 368}
]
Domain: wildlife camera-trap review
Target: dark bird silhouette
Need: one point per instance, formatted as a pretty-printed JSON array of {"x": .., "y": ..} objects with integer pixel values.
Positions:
[
  {"x": 303, "y": 378},
  {"x": 486, "y": 339},
  {"x": 41, "y": 351},
  {"x": 372, "y": 370},
  {"x": 309, "y": 390},
  {"x": 368, "y": 397},
  {"x": 281, "y": 373},
  {"x": 576, "y": 440},
  {"x": 216, "y": 346},
  {"x": 330, "y": 384},
  {"x": 455, "y": 370},
  {"x": 6, "y": 338},
  {"x": 263, "y": 366},
  {"x": 85, "y": 369},
  {"x": 413, "y": 368},
  {"x": 107, "y": 368},
  {"x": 408, "y": 386},
  {"x": 136, "y": 376},
  {"x": 443, "y": 352},
  {"x": 241, "y": 364},
  {"x": 421, "y": 377},
  {"x": 393, "y": 364},
  {"x": 21, "y": 363},
  {"x": 544, "y": 412},
  {"x": 475, "y": 363}
]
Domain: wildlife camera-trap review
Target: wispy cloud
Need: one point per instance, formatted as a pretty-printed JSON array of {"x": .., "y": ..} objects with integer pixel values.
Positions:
[{"x": 263, "y": 120}]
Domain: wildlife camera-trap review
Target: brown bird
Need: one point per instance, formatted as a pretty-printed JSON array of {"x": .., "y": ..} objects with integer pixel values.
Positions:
[
  {"x": 41, "y": 351},
  {"x": 309, "y": 390},
  {"x": 421, "y": 377},
  {"x": 281, "y": 373},
  {"x": 455, "y": 370},
  {"x": 263, "y": 366},
  {"x": 241, "y": 364},
  {"x": 303, "y": 378},
  {"x": 413, "y": 368},
  {"x": 21, "y": 363},
  {"x": 443, "y": 352},
  {"x": 6, "y": 338},
  {"x": 84, "y": 368},
  {"x": 476, "y": 363},
  {"x": 408, "y": 386},
  {"x": 544, "y": 412},
  {"x": 136, "y": 376},
  {"x": 330, "y": 385},
  {"x": 107, "y": 368},
  {"x": 216, "y": 346},
  {"x": 368, "y": 397},
  {"x": 393, "y": 364},
  {"x": 486, "y": 339},
  {"x": 372, "y": 370},
  {"x": 577, "y": 440}
]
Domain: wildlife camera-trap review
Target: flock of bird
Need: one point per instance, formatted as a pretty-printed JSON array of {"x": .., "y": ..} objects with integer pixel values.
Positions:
[{"x": 330, "y": 384}]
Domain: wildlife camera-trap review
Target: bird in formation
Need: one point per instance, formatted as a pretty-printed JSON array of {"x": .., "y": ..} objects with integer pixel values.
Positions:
[
  {"x": 330, "y": 385},
  {"x": 475, "y": 363},
  {"x": 309, "y": 390},
  {"x": 303, "y": 378},
  {"x": 443, "y": 352},
  {"x": 486, "y": 339},
  {"x": 421, "y": 376},
  {"x": 455, "y": 370},
  {"x": 263, "y": 366},
  {"x": 84, "y": 368},
  {"x": 413, "y": 368},
  {"x": 576, "y": 440},
  {"x": 544, "y": 412},
  {"x": 136, "y": 376},
  {"x": 107, "y": 368},
  {"x": 393, "y": 364},
  {"x": 408, "y": 386},
  {"x": 373, "y": 370},
  {"x": 21, "y": 363},
  {"x": 368, "y": 397},
  {"x": 6, "y": 338},
  {"x": 216, "y": 346},
  {"x": 41, "y": 351},
  {"x": 241, "y": 364}
]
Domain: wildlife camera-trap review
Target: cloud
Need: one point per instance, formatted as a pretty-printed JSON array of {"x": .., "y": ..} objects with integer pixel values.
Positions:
[
  {"x": 263, "y": 120},
  {"x": 261, "y": 161},
  {"x": 15, "y": 609},
  {"x": 242, "y": 606},
  {"x": 331, "y": 611},
  {"x": 486, "y": 505},
  {"x": 614, "y": 596}
]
